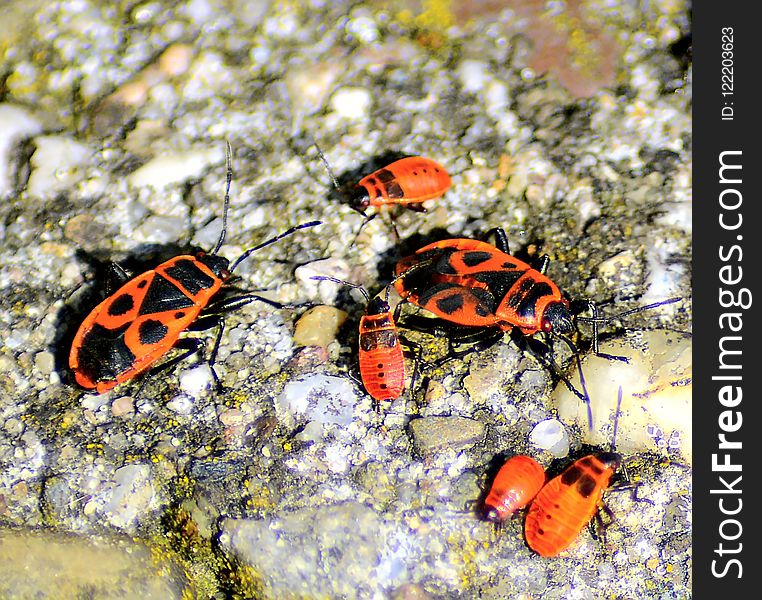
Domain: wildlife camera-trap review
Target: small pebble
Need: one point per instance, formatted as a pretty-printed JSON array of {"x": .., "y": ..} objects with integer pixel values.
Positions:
[
  {"x": 44, "y": 362},
  {"x": 434, "y": 434},
  {"x": 352, "y": 103},
  {"x": 180, "y": 404},
  {"x": 319, "y": 326},
  {"x": 123, "y": 407},
  {"x": 196, "y": 380},
  {"x": 56, "y": 165},
  {"x": 551, "y": 435},
  {"x": 16, "y": 123},
  {"x": 168, "y": 169},
  {"x": 317, "y": 397},
  {"x": 324, "y": 290}
]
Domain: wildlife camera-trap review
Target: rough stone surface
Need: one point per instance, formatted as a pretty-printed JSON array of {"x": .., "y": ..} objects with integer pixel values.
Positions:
[
  {"x": 656, "y": 381},
  {"x": 570, "y": 128},
  {"x": 433, "y": 434}
]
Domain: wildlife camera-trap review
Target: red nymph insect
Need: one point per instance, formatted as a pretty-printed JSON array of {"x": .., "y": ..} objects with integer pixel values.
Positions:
[
  {"x": 567, "y": 503},
  {"x": 515, "y": 485},
  {"x": 381, "y": 356},
  {"x": 407, "y": 182}
]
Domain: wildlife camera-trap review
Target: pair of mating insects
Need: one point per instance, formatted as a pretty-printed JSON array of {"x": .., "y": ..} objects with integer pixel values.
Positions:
[{"x": 464, "y": 281}]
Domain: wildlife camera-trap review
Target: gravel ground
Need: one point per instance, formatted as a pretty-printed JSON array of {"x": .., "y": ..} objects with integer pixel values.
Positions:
[{"x": 569, "y": 125}]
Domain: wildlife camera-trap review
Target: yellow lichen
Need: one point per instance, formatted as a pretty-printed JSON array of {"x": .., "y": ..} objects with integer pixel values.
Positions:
[{"x": 208, "y": 571}]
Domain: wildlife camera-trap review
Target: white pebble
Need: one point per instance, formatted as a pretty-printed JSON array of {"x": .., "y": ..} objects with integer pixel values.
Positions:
[
  {"x": 352, "y": 103},
  {"x": 325, "y": 291},
  {"x": 176, "y": 168},
  {"x": 320, "y": 398},
  {"x": 551, "y": 435},
  {"x": 158, "y": 229},
  {"x": 181, "y": 405},
  {"x": 473, "y": 75},
  {"x": 56, "y": 165},
  {"x": 122, "y": 407},
  {"x": 16, "y": 123},
  {"x": 196, "y": 380}
]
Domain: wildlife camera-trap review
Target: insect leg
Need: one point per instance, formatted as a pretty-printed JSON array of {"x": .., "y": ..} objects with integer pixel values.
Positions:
[
  {"x": 367, "y": 220},
  {"x": 543, "y": 263},
  {"x": 416, "y": 348},
  {"x": 501, "y": 239},
  {"x": 188, "y": 346},
  {"x": 116, "y": 277},
  {"x": 543, "y": 353},
  {"x": 236, "y": 302}
]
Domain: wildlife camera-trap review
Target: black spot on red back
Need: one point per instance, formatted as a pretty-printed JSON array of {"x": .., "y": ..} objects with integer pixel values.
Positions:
[
  {"x": 586, "y": 486},
  {"x": 526, "y": 308},
  {"x": 121, "y": 305},
  {"x": 103, "y": 354},
  {"x": 477, "y": 257},
  {"x": 394, "y": 191},
  {"x": 499, "y": 283},
  {"x": 451, "y": 303},
  {"x": 163, "y": 295},
  {"x": 187, "y": 273},
  {"x": 152, "y": 331},
  {"x": 385, "y": 176},
  {"x": 571, "y": 475}
]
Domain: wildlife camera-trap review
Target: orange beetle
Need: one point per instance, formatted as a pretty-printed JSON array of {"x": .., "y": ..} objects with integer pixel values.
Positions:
[
  {"x": 515, "y": 484},
  {"x": 567, "y": 503}
]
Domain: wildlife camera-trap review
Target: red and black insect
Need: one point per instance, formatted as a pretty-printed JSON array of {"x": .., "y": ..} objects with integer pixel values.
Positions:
[
  {"x": 517, "y": 482},
  {"x": 407, "y": 182},
  {"x": 381, "y": 356},
  {"x": 568, "y": 502},
  {"x": 139, "y": 323},
  {"x": 477, "y": 285}
]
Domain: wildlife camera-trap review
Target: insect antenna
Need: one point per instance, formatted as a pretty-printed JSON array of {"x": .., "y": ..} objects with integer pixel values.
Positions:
[
  {"x": 597, "y": 320},
  {"x": 229, "y": 179},
  {"x": 280, "y": 236},
  {"x": 338, "y": 186},
  {"x": 356, "y": 286},
  {"x": 584, "y": 395},
  {"x": 616, "y": 419},
  {"x": 327, "y": 166}
]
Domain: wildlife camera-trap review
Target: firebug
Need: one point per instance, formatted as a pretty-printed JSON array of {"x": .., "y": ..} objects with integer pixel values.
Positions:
[
  {"x": 474, "y": 284},
  {"x": 381, "y": 356},
  {"x": 135, "y": 326},
  {"x": 517, "y": 482},
  {"x": 568, "y": 502},
  {"x": 407, "y": 182}
]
